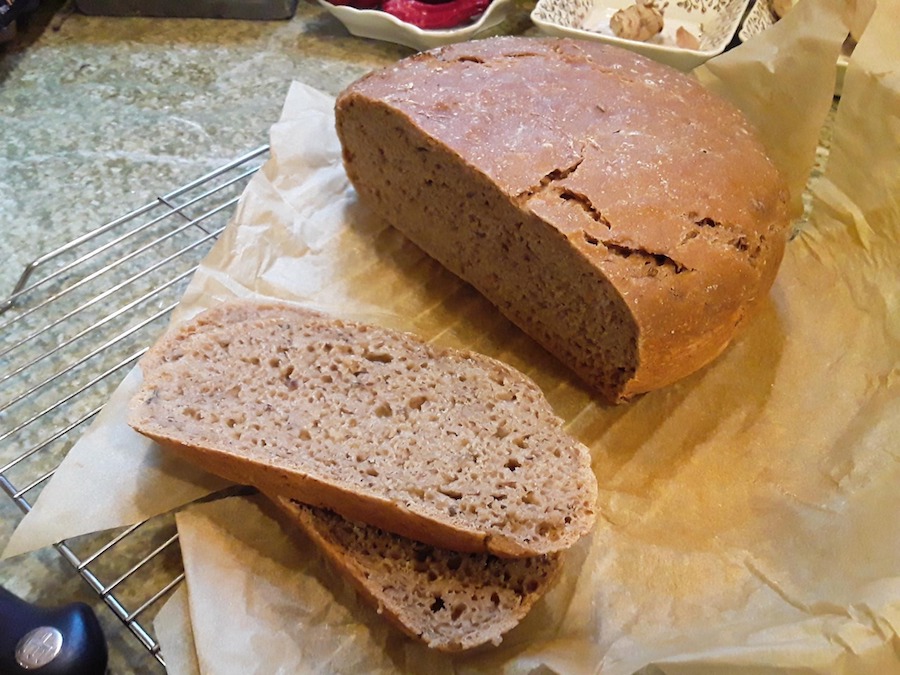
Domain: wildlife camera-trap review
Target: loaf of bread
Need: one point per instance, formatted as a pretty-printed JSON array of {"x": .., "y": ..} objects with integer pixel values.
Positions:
[
  {"x": 618, "y": 212},
  {"x": 447, "y": 447},
  {"x": 451, "y": 601}
]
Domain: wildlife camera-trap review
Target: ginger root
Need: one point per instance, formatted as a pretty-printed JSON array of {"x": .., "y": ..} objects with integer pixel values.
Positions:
[{"x": 641, "y": 21}]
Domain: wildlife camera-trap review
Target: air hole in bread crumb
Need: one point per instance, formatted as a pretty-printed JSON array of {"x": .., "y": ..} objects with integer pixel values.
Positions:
[
  {"x": 590, "y": 239},
  {"x": 304, "y": 435},
  {"x": 521, "y": 442},
  {"x": 384, "y": 410},
  {"x": 378, "y": 357},
  {"x": 457, "y": 612},
  {"x": 423, "y": 553},
  {"x": 495, "y": 598},
  {"x": 438, "y": 604},
  {"x": 448, "y": 492},
  {"x": 512, "y": 464},
  {"x": 416, "y": 402},
  {"x": 454, "y": 562}
]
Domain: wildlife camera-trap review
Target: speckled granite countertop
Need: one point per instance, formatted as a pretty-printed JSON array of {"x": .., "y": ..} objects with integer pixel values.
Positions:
[{"x": 99, "y": 116}]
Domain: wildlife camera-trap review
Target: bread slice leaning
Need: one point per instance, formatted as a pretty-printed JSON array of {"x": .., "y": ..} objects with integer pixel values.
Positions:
[
  {"x": 446, "y": 447},
  {"x": 450, "y": 601}
]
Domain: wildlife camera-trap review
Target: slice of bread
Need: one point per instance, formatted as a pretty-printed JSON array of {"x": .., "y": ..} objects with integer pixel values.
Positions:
[
  {"x": 446, "y": 447},
  {"x": 451, "y": 601},
  {"x": 617, "y": 211}
]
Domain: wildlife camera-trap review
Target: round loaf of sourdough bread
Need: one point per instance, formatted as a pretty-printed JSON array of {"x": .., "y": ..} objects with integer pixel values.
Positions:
[{"x": 612, "y": 207}]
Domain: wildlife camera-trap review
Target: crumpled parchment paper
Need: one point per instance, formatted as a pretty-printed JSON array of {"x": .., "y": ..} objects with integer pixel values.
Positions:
[
  {"x": 176, "y": 635},
  {"x": 749, "y": 513}
]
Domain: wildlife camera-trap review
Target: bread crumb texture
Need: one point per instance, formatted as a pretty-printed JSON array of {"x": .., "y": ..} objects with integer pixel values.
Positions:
[
  {"x": 461, "y": 441},
  {"x": 617, "y": 211},
  {"x": 451, "y": 601}
]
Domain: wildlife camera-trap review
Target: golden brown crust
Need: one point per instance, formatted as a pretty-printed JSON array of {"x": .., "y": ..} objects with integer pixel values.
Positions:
[{"x": 637, "y": 209}]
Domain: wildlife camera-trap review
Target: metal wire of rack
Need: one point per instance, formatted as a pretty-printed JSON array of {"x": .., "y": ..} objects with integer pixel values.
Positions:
[{"x": 76, "y": 321}]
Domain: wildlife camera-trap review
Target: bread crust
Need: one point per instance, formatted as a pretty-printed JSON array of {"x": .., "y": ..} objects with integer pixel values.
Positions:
[
  {"x": 618, "y": 212},
  {"x": 375, "y": 511}
]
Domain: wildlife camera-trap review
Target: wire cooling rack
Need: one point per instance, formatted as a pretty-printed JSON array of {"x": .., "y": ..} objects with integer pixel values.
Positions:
[{"x": 77, "y": 320}]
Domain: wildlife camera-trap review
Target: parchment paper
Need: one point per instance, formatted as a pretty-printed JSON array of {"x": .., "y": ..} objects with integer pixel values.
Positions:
[
  {"x": 784, "y": 83},
  {"x": 176, "y": 635},
  {"x": 749, "y": 512}
]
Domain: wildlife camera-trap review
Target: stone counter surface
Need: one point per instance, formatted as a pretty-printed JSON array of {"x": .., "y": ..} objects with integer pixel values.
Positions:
[{"x": 100, "y": 115}]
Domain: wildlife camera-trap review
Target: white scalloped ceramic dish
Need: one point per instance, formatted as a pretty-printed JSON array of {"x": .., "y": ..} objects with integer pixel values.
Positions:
[
  {"x": 761, "y": 16},
  {"x": 372, "y": 23},
  {"x": 713, "y": 22}
]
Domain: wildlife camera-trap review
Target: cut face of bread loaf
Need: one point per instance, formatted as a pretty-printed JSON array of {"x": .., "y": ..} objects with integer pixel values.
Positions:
[
  {"x": 451, "y": 601},
  {"x": 617, "y": 211},
  {"x": 446, "y": 447}
]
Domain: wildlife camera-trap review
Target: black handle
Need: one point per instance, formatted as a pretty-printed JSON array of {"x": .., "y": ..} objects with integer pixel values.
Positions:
[
  {"x": 49, "y": 641},
  {"x": 17, "y": 9}
]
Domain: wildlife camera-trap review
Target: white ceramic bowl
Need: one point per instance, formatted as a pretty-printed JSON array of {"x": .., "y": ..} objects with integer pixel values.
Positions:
[
  {"x": 713, "y": 22},
  {"x": 373, "y": 23}
]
